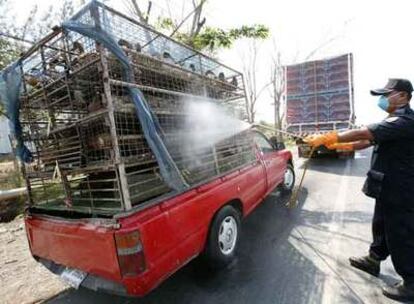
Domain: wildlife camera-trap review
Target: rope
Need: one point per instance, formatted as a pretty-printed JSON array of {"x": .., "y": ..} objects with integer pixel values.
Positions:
[{"x": 276, "y": 130}]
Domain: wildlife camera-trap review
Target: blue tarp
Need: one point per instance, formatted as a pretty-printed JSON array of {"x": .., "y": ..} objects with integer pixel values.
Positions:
[{"x": 10, "y": 87}]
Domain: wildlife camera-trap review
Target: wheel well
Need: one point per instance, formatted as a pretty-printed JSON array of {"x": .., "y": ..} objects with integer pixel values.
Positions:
[{"x": 237, "y": 204}]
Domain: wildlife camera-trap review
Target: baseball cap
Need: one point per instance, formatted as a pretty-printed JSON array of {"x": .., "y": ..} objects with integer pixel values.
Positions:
[{"x": 394, "y": 84}]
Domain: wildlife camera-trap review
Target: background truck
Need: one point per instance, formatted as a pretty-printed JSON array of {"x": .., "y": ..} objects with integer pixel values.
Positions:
[
  {"x": 118, "y": 198},
  {"x": 319, "y": 98}
]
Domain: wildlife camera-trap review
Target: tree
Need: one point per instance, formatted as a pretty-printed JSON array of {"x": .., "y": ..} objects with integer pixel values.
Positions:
[
  {"x": 8, "y": 50},
  {"x": 136, "y": 10},
  {"x": 278, "y": 82},
  {"x": 8, "y": 53},
  {"x": 15, "y": 39},
  {"x": 192, "y": 28},
  {"x": 250, "y": 71}
]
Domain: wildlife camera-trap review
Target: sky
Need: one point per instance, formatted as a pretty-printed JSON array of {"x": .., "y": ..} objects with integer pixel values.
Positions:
[{"x": 379, "y": 34}]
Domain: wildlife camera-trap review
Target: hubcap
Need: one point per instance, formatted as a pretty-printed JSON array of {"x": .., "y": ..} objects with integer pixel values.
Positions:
[
  {"x": 289, "y": 179},
  {"x": 227, "y": 235}
]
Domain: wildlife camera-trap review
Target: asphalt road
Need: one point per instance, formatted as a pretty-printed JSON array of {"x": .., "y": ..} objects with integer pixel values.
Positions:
[{"x": 287, "y": 256}]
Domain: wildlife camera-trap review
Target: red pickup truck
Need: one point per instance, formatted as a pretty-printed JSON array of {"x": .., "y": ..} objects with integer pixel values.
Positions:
[{"x": 132, "y": 253}]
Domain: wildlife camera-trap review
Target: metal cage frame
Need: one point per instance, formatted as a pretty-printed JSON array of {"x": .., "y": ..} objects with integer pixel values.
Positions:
[{"x": 90, "y": 154}]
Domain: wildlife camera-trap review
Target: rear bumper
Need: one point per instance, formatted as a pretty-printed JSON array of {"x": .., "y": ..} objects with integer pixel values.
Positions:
[
  {"x": 128, "y": 287},
  {"x": 91, "y": 282}
]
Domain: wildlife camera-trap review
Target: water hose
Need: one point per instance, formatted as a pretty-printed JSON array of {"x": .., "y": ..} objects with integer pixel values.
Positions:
[{"x": 293, "y": 201}]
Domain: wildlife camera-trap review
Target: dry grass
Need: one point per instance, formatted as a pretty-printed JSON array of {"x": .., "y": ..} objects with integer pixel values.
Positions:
[{"x": 22, "y": 279}]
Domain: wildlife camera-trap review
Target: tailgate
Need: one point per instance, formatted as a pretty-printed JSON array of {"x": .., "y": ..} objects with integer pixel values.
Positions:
[{"x": 75, "y": 244}]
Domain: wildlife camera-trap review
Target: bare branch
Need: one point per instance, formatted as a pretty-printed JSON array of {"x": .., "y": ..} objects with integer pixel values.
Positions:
[
  {"x": 199, "y": 27},
  {"x": 183, "y": 21},
  {"x": 329, "y": 40},
  {"x": 129, "y": 6},
  {"x": 263, "y": 88},
  {"x": 250, "y": 70},
  {"x": 321, "y": 46},
  {"x": 29, "y": 21},
  {"x": 197, "y": 24},
  {"x": 277, "y": 78},
  {"x": 148, "y": 11},
  {"x": 138, "y": 11}
]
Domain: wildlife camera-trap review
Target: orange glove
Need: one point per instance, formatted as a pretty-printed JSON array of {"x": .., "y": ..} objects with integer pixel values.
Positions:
[
  {"x": 321, "y": 139},
  {"x": 341, "y": 146}
]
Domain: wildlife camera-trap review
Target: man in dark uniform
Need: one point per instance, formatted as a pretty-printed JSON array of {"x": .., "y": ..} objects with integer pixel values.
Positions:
[{"x": 390, "y": 181}]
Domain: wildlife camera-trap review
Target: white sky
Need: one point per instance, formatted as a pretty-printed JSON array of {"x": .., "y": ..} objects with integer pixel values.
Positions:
[{"x": 378, "y": 33}]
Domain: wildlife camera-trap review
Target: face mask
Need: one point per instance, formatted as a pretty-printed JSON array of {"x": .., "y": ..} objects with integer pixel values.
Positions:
[{"x": 383, "y": 103}]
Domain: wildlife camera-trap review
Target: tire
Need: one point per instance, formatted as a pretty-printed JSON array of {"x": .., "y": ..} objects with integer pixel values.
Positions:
[
  {"x": 223, "y": 238},
  {"x": 289, "y": 180}
]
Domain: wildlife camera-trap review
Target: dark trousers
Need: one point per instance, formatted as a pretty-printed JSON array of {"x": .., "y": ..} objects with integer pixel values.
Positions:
[{"x": 393, "y": 234}]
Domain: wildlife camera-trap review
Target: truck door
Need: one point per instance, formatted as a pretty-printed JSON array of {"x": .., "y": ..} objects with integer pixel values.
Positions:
[{"x": 274, "y": 162}]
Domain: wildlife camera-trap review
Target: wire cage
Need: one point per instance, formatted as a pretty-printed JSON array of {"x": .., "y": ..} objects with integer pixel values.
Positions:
[{"x": 80, "y": 122}]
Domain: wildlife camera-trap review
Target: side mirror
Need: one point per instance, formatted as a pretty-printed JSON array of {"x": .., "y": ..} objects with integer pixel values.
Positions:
[{"x": 278, "y": 145}]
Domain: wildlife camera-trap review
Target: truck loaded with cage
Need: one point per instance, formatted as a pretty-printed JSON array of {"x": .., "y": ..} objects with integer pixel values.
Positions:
[
  {"x": 102, "y": 108},
  {"x": 319, "y": 98},
  {"x": 120, "y": 195}
]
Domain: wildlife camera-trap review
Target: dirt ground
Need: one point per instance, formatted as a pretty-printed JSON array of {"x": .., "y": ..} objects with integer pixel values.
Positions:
[
  {"x": 6, "y": 166},
  {"x": 22, "y": 279}
]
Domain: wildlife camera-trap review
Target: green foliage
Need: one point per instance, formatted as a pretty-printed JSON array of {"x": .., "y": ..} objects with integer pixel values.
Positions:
[
  {"x": 257, "y": 31},
  {"x": 164, "y": 24},
  {"x": 8, "y": 53},
  {"x": 212, "y": 38}
]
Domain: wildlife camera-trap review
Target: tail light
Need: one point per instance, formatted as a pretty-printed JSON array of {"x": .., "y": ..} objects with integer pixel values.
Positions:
[{"x": 130, "y": 253}]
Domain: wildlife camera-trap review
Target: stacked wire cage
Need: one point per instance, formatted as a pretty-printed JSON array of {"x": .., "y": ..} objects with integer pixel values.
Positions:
[
  {"x": 80, "y": 123},
  {"x": 320, "y": 95}
]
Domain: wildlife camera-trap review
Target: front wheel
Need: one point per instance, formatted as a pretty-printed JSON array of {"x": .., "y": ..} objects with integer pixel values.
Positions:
[
  {"x": 289, "y": 179},
  {"x": 223, "y": 238}
]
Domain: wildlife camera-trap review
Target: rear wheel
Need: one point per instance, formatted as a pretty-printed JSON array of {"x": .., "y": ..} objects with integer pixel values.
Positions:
[{"x": 223, "y": 238}]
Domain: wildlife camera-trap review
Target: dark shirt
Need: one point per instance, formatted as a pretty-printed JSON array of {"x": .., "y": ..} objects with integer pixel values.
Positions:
[{"x": 393, "y": 153}]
